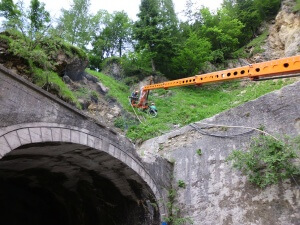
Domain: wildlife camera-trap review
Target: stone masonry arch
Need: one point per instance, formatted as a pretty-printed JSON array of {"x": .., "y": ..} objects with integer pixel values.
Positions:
[
  {"x": 12, "y": 137},
  {"x": 32, "y": 119}
]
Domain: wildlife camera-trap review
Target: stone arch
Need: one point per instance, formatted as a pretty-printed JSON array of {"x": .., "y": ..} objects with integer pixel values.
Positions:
[{"x": 12, "y": 137}]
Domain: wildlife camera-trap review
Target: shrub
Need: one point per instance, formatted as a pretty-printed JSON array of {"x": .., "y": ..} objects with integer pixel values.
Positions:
[
  {"x": 267, "y": 160},
  {"x": 94, "y": 96}
]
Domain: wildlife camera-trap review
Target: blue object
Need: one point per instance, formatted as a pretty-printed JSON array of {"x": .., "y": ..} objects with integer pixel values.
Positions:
[{"x": 164, "y": 223}]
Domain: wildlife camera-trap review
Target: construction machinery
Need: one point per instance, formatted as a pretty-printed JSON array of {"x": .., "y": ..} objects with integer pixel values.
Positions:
[{"x": 275, "y": 69}]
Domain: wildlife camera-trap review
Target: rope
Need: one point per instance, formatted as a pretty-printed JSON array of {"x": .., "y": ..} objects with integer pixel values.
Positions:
[
  {"x": 217, "y": 135},
  {"x": 252, "y": 128},
  {"x": 135, "y": 112}
]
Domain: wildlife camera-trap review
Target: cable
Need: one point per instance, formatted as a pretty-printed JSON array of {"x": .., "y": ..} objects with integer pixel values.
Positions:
[
  {"x": 218, "y": 135},
  {"x": 218, "y": 125}
]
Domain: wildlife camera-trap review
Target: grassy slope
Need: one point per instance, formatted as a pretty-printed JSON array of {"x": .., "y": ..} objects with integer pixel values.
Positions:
[
  {"x": 256, "y": 43},
  {"x": 42, "y": 55},
  {"x": 117, "y": 90},
  {"x": 181, "y": 106},
  {"x": 41, "y": 77}
]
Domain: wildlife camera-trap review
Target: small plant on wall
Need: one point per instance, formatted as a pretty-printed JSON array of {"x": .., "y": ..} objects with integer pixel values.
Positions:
[
  {"x": 199, "y": 152},
  {"x": 181, "y": 184},
  {"x": 174, "y": 217},
  {"x": 268, "y": 160}
]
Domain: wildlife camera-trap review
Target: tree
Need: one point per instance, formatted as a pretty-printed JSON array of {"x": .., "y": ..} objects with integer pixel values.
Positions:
[
  {"x": 251, "y": 13},
  {"x": 101, "y": 48},
  {"x": 156, "y": 31},
  {"x": 121, "y": 29},
  {"x": 249, "y": 16},
  {"x": 75, "y": 24},
  {"x": 39, "y": 18},
  {"x": 192, "y": 56},
  {"x": 8, "y": 9},
  {"x": 267, "y": 8},
  {"x": 111, "y": 37},
  {"x": 10, "y": 12},
  {"x": 188, "y": 12},
  {"x": 33, "y": 23},
  {"x": 146, "y": 30},
  {"x": 222, "y": 30},
  {"x": 168, "y": 14}
]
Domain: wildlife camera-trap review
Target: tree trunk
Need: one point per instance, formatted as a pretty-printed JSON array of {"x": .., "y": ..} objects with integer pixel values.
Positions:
[
  {"x": 153, "y": 66},
  {"x": 120, "y": 48}
]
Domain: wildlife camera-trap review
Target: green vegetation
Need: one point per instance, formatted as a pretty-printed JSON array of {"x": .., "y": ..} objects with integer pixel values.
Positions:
[
  {"x": 159, "y": 43},
  {"x": 124, "y": 123},
  {"x": 297, "y": 6},
  {"x": 41, "y": 61},
  {"x": 95, "y": 95},
  {"x": 181, "y": 184},
  {"x": 82, "y": 92},
  {"x": 181, "y": 106},
  {"x": 267, "y": 161},
  {"x": 53, "y": 83},
  {"x": 174, "y": 217},
  {"x": 199, "y": 152},
  {"x": 253, "y": 47},
  {"x": 30, "y": 36},
  {"x": 71, "y": 50},
  {"x": 117, "y": 90}
]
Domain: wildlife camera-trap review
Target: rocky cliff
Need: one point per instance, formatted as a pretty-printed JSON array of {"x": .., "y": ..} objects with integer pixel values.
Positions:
[
  {"x": 284, "y": 33},
  {"x": 283, "y": 39}
]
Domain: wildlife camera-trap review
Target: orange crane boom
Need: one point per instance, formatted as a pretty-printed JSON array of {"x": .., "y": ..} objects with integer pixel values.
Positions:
[{"x": 279, "y": 68}]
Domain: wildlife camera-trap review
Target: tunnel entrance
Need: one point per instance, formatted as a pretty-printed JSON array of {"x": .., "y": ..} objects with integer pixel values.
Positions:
[{"x": 70, "y": 184}]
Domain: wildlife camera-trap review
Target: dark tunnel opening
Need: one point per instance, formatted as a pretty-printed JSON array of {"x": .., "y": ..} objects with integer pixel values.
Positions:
[{"x": 59, "y": 184}]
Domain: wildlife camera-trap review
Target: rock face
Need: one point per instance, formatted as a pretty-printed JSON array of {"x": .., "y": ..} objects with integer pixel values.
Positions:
[
  {"x": 16, "y": 64},
  {"x": 114, "y": 69},
  {"x": 284, "y": 37},
  {"x": 72, "y": 67},
  {"x": 69, "y": 63},
  {"x": 215, "y": 193},
  {"x": 102, "y": 88}
]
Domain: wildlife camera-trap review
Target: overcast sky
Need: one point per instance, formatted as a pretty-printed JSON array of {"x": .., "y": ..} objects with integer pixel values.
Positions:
[{"x": 131, "y": 7}]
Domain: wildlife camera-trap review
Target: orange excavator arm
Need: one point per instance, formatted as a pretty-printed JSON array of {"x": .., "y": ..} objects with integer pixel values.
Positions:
[{"x": 280, "y": 68}]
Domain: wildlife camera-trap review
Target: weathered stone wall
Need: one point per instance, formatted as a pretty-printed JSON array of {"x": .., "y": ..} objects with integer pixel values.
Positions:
[{"x": 215, "y": 193}]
